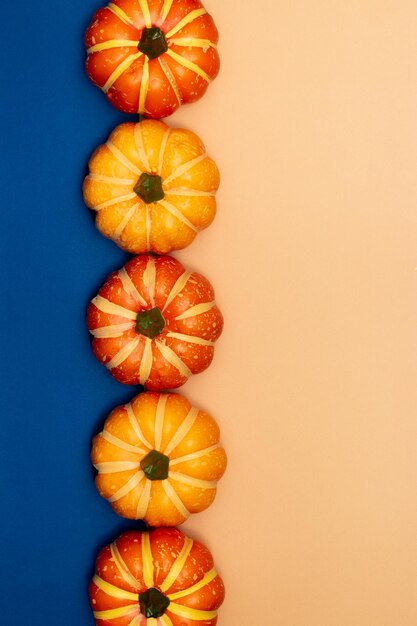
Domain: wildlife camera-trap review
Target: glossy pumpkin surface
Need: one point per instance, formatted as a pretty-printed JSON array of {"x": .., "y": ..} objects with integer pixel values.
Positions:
[
  {"x": 152, "y": 187},
  {"x": 154, "y": 323},
  {"x": 156, "y": 578},
  {"x": 158, "y": 459},
  {"x": 151, "y": 56}
]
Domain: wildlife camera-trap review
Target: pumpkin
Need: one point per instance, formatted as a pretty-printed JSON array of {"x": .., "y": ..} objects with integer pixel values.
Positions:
[
  {"x": 151, "y": 56},
  {"x": 154, "y": 323},
  {"x": 155, "y": 578},
  {"x": 159, "y": 459},
  {"x": 152, "y": 187}
]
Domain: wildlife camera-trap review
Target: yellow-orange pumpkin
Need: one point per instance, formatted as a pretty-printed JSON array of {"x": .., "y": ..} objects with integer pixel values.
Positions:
[
  {"x": 158, "y": 459},
  {"x": 153, "y": 187}
]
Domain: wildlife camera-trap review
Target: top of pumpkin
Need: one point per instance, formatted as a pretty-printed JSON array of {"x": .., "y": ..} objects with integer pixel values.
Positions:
[
  {"x": 152, "y": 187},
  {"x": 150, "y": 57}
]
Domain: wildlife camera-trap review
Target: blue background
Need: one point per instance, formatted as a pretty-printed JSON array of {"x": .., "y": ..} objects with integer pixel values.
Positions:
[{"x": 55, "y": 396}]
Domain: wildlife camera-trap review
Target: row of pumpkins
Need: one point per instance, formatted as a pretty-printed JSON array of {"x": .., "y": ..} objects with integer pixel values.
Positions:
[{"x": 153, "y": 322}]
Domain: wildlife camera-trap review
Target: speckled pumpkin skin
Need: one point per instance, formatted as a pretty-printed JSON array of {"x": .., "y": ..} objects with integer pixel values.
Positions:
[
  {"x": 190, "y": 180},
  {"x": 168, "y": 424},
  {"x": 185, "y": 346},
  {"x": 164, "y": 559},
  {"x": 135, "y": 83}
]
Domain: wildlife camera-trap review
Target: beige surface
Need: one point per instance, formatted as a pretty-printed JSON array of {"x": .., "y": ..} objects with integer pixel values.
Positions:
[{"x": 313, "y": 254}]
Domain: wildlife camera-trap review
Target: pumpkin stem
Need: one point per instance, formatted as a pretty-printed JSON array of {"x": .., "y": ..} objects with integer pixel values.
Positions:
[
  {"x": 155, "y": 465},
  {"x": 150, "y": 323},
  {"x": 152, "y": 42},
  {"x": 149, "y": 188},
  {"x": 153, "y": 603}
]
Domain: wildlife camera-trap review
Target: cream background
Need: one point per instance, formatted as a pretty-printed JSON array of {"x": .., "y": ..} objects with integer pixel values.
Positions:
[{"x": 313, "y": 255}]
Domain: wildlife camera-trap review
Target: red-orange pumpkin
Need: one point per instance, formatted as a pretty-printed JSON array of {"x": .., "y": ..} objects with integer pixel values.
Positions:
[
  {"x": 151, "y": 56},
  {"x": 156, "y": 578},
  {"x": 154, "y": 323}
]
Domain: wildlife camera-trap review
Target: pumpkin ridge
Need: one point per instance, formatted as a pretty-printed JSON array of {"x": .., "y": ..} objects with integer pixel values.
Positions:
[
  {"x": 187, "y": 19},
  {"x": 123, "y": 17},
  {"x": 121, "y": 69},
  {"x": 189, "y": 65},
  {"x": 122, "y": 158},
  {"x": 184, "y": 167}
]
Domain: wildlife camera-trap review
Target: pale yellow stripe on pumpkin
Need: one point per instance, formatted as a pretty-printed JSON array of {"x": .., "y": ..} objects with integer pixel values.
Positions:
[
  {"x": 192, "y": 482},
  {"x": 173, "y": 358},
  {"x": 122, "y": 611},
  {"x": 135, "y": 425},
  {"x": 149, "y": 279},
  {"x": 113, "y": 591},
  {"x": 112, "y": 43},
  {"x": 120, "y": 14},
  {"x": 123, "y": 354},
  {"x": 144, "y": 83},
  {"x": 193, "y": 455},
  {"x": 144, "y": 500},
  {"x": 185, "y": 167},
  {"x": 124, "y": 222},
  {"x": 177, "y": 213},
  {"x": 114, "y": 467},
  {"x": 146, "y": 361},
  {"x": 178, "y": 564},
  {"x": 118, "y": 154},
  {"x": 197, "y": 309},
  {"x": 171, "y": 79},
  {"x": 135, "y": 621},
  {"x": 120, "y": 69},
  {"x": 123, "y": 445},
  {"x": 193, "y": 42},
  {"x": 165, "y": 620},
  {"x": 111, "y": 332},
  {"x": 166, "y": 7},
  {"x": 162, "y": 150},
  {"x": 147, "y": 560},
  {"x": 122, "y": 567},
  {"x": 109, "y": 180},
  {"x": 190, "y": 17},
  {"x": 182, "y": 430},
  {"x": 116, "y": 200},
  {"x": 191, "y": 339},
  {"x": 177, "y": 288},
  {"x": 189, "y": 65},
  {"x": 105, "y": 306},
  {"x": 130, "y": 287},
  {"x": 175, "y": 499},
  {"x": 131, "y": 484},
  {"x": 207, "y": 578},
  {"x": 146, "y": 13},
  {"x": 190, "y": 192},
  {"x": 159, "y": 420},
  {"x": 140, "y": 147},
  {"x": 189, "y": 613},
  {"x": 148, "y": 226}
]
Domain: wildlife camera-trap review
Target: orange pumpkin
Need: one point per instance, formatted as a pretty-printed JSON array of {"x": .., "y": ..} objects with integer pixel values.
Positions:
[
  {"x": 154, "y": 323},
  {"x": 152, "y": 187},
  {"x": 151, "y": 56},
  {"x": 155, "y": 578},
  {"x": 159, "y": 459}
]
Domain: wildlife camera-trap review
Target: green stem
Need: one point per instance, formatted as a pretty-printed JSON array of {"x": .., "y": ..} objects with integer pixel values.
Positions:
[
  {"x": 153, "y": 603},
  {"x": 152, "y": 42},
  {"x": 149, "y": 188},
  {"x": 150, "y": 323},
  {"x": 155, "y": 465}
]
